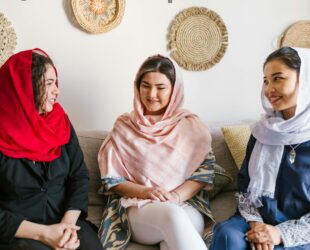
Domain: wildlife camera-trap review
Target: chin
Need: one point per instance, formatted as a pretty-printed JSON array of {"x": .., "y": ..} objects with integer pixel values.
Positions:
[{"x": 48, "y": 109}]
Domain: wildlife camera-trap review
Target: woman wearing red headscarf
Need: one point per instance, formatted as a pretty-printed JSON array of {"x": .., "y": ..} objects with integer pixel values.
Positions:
[{"x": 43, "y": 177}]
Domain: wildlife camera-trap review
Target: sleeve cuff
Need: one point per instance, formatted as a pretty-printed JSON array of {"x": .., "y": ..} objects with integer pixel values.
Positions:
[
  {"x": 109, "y": 182},
  {"x": 284, "y": 238}
]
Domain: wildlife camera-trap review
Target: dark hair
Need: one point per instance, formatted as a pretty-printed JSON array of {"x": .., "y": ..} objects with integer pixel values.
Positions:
[
  {"x": 288, "y": 56},
  {"x": 39, "y": 63},
  {"x": 159, "y": 64}
]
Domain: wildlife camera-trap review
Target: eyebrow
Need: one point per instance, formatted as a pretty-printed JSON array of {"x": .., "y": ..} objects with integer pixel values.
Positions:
[
  {"x": 274, "y": 74},
  {"x": 50, "y": 79},
  {"x": 157, "y": 84}
]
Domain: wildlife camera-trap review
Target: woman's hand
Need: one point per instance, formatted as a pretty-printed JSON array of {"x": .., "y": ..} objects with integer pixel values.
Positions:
[
  {"x": 263, "y": 234},
  {"x": 61, "y": 236},
  {"x": 69, "y": 240},
  {"x": 259, "y": 246},
  {"x": 156, "y": 193}
]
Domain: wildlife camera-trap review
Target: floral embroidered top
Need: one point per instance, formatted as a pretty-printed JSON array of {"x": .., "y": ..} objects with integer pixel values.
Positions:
[{"x": 289, "y": 210}]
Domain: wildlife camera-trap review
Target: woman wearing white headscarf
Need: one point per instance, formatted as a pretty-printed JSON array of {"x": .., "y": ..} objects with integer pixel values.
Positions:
[{"x": 274, "y": 180}]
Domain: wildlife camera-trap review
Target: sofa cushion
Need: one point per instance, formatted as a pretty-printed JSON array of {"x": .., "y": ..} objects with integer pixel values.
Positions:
[
  {"x": 237, "y": 137},
  {"x": 224, "y": 205},
  {"x": 222, "y": 178},
  {"x": 95, "y": 214},
  {"x": 221, "y": 150},
  {"x": 90, "y": 144}
]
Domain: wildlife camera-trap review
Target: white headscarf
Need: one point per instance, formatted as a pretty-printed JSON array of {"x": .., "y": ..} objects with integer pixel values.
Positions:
[{"x": 272, "y": 132}]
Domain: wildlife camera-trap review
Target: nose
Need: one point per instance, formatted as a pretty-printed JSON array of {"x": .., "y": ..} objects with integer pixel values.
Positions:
[
  {"x": 269, "y": 89},
  {"x": 55, "y": 89},
  {"x": 153, "y": 92}
]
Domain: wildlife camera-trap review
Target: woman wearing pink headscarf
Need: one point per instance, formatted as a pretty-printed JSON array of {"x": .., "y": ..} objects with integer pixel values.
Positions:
[{"x": 156, "y": 167}]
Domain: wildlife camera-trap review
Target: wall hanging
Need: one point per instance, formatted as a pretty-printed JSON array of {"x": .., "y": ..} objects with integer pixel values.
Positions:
[
  {"x": 98, "y": 16},
  {"x": 7, "y": 39},
  {"x": 297, "y": 35},
  {"x": 198, "y": 38}
]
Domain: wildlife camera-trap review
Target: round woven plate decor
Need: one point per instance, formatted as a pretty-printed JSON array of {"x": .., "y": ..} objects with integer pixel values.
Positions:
[
  {"x": 98, "y": 16},
  {"x": 297, "y": 35},
  {"x": 198, "y": 38},
  {"x": 7, "y": 39}
]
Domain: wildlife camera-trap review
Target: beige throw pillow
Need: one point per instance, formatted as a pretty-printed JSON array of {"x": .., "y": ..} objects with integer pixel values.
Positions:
[{"x": 237, "y": 138}]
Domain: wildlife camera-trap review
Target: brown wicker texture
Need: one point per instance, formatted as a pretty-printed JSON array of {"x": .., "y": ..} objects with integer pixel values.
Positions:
[
  {"x": 98, "y": 16},
  {"x": 198, "y": 38},
  {"x": 7, "y": 39},
  {"x": 297, "y": 35}
]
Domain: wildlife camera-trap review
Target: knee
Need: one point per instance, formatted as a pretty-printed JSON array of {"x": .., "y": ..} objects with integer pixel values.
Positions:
[
  {"x": 173, "y": 215},
  {"x": 227, "y": 236}
]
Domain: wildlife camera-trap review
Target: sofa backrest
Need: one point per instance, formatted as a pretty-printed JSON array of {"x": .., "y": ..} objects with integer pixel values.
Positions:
[{"x": 90, "y": 143}]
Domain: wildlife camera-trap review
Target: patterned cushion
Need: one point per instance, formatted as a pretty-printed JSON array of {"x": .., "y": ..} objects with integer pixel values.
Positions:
[
  {"x": 237, "y": 138},
  {"x": 221, "y": 179}
]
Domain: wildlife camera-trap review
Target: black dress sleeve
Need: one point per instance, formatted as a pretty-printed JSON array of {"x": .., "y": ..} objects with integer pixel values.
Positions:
[
  {"x": 77, "y": 182},
  {"x": 9, "y": 223}
]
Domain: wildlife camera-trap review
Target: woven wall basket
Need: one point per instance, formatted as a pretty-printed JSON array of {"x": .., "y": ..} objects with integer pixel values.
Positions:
[
  {"x": 297, "y": 35},
  {"x": 7, "y": 39},
  {"x": 198, "y": 38},
  {"x": 98, "y": 16}
]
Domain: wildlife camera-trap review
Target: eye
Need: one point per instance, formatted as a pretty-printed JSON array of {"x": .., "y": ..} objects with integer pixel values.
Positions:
[
  {"x": 278, "y": 78},
  {"x": 145, "y": 86},
  {"x": 265, "y": 82}
]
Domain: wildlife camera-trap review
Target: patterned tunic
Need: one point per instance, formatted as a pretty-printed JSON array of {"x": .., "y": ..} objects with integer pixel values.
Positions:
[{"x": 115, "y": 232}]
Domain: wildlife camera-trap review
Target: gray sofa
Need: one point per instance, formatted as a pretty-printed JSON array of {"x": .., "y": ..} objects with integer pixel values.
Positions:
[{"x": 223, "y": 205}]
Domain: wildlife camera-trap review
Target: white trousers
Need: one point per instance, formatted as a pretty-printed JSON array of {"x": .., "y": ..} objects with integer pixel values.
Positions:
[{"x": 175, "y": 227}]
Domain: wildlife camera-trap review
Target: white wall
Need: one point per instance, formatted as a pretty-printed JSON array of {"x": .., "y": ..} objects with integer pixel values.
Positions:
[{"x": 96, "y": 71}]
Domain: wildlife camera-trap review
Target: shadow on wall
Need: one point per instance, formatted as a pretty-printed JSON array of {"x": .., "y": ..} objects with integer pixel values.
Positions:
[{"x": 70, "y": 15}]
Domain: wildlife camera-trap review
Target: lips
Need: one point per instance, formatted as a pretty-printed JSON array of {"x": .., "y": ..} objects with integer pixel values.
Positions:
[
  {"x": 153, "y": 101},
  {"x": 52, "y": 100},
  {"x": 274, "y": 99}
]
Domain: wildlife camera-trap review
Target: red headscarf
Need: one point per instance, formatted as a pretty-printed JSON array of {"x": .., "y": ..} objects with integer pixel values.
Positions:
[{"x": 24, "y": 133}]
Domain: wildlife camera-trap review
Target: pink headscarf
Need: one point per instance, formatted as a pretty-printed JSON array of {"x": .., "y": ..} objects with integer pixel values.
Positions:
[{"x": 156, "y": 152}]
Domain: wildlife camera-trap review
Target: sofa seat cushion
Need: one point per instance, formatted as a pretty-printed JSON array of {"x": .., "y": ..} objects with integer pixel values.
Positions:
[
  {"x": 136, "y": 246},
  {"x": 224, "y": 205}
]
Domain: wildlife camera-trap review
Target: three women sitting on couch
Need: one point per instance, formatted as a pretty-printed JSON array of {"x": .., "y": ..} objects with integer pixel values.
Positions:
[{"x": 156, "y": 165}]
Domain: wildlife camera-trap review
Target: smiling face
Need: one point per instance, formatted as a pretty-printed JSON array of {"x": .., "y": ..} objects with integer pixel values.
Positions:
[
  {"x": 281, "y": 87},
  {"x": 51, "y": 90},
  {"x": 155, "y": 93}
]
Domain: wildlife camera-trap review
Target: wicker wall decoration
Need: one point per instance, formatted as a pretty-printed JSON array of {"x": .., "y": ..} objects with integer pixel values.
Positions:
[
  {"x": 7, "y": 39},
  {"x": 297, "y": 35},
  {"x": 198, "y": 38},
  {"x": 98, "y": 16}
]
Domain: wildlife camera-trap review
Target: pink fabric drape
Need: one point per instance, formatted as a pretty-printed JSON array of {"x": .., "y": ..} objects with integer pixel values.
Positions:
[{"x": 156, "y": 151}]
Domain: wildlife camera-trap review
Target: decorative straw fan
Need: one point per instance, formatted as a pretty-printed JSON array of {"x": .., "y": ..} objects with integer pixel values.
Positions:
[
  {"x": 198, "y": 38},
  {"x": 297, "y": 35},
  {"x": 7, "y": 39},
  {"x": 98, "y": 16}
]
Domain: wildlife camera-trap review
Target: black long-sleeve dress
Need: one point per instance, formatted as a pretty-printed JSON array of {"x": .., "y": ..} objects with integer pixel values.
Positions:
[{"x": 42, "y": 192}]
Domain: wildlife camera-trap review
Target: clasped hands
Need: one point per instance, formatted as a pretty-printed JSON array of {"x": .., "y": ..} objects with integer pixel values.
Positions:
[
  {"x": 61, "y": 236},
  {"x": 160, "y": 194},
  {"x": 263, "y": 236}
]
